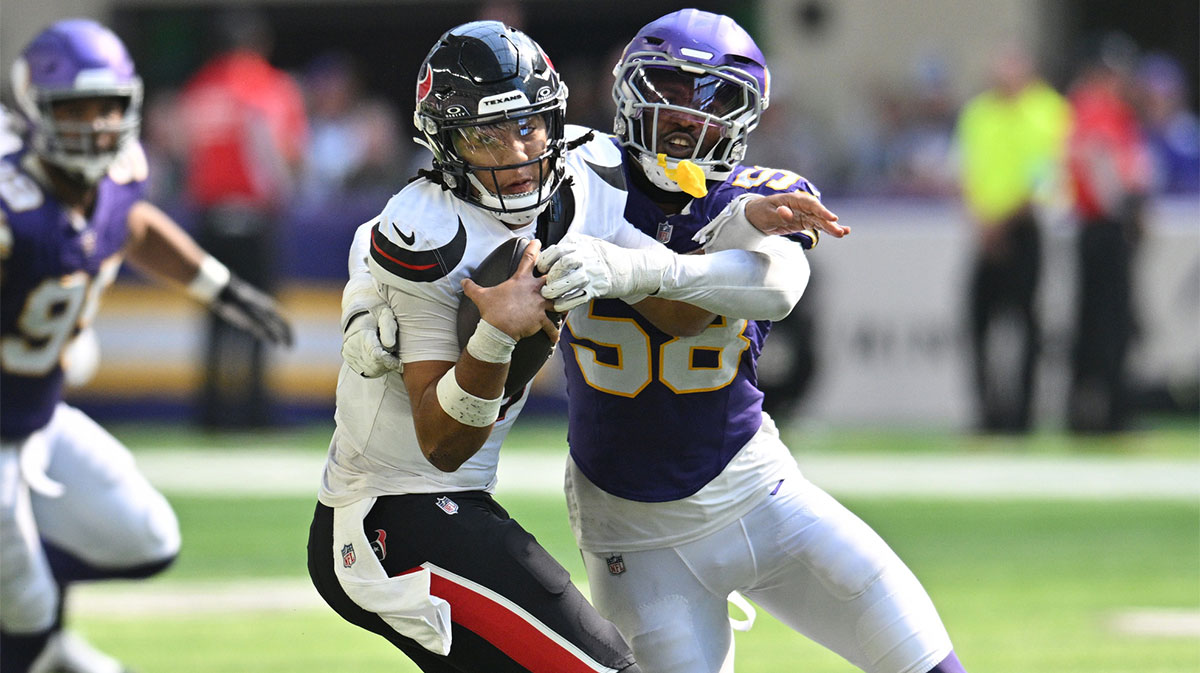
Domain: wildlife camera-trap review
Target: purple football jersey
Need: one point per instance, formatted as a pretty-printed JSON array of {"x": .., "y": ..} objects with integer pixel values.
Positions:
[
  {"x": 653, "y": 417},
  {"x": 53, "y": 266}
]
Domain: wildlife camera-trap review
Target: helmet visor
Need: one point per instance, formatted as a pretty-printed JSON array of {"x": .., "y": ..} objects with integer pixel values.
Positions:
[
  {"x": 506, "y": 143},
  {"x": 683, "y": 114},
  {"x": 510, "y": 162},
  {"x": 704, "y": 93}
]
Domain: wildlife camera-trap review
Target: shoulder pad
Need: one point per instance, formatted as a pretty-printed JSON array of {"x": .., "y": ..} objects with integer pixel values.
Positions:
[
  {"x": 130, "y": 165},
  {"x": 21, "y": 192},
  {"x": 600, "y": 148},
  {"x": 396, "y": 263},
  {"x": 420, "y": 217},
  {"x": 12, "y": 132},
  {"x": 600, "y": 156},
  {"x": 764, "y": 180}
]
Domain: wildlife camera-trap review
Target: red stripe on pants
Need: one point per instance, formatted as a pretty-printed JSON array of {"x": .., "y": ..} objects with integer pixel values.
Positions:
[{"x": 509, "y": 631}]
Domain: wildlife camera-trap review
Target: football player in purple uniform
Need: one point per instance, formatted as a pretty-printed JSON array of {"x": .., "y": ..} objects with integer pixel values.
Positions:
[
  {"x": 679, "y": 489},
  {"x": 73, "y": 505}
]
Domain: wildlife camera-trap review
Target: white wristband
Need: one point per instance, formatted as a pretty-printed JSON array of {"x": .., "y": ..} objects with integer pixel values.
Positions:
[
  {"x": 465, "y": 407},
  {"x": 490, "y": 344},
  {"x": 212, "y": 277}
]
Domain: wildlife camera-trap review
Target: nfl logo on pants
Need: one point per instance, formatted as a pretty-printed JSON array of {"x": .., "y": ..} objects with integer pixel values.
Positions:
[
  {"x": 348, "y": 555},
  {"x": 616, "y": 564}
]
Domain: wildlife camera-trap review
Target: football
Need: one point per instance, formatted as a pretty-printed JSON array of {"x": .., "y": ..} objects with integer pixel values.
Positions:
[{"x": 531, "y": 352}]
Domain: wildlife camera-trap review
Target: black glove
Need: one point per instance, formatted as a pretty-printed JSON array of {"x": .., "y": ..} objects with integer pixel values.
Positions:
[{"x": 243, "y": 305}]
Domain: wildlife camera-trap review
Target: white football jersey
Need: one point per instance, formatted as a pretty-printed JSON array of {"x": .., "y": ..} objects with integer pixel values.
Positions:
[{"x": 423, "y": 244}]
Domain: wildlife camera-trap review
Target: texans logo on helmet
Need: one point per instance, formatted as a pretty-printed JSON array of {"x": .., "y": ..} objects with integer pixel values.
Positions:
[
  {"x": 425, "y": 84},
  {"x": 544, "y": 56}
]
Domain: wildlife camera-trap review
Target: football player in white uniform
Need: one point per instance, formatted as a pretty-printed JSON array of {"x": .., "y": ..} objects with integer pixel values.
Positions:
[
  {"x": 407, "y": 540},
  {"x": 73, "y": 505}
]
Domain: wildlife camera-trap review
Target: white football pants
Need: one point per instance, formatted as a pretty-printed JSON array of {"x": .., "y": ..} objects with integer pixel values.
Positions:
[
  {"x": 802, "y": 557},
  {"x": 107, "y": 515}
]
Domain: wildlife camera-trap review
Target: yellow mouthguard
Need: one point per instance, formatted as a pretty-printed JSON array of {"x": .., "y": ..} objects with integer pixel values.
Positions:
[{"x": 687, "y": 174}]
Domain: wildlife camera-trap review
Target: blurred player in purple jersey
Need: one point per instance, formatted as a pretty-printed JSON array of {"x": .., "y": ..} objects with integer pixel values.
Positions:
[
  {"x": 73, "y": 505},
  {"x": 679, "y": 489}
]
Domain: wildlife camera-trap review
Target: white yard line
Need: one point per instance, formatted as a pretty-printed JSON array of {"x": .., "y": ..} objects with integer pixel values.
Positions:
[
  {"x": 1162, "y": 622},
  {"x": 284, "y": 472},
  {"x": 172, "y": 599},
  {"x": 193, "y": 598}
]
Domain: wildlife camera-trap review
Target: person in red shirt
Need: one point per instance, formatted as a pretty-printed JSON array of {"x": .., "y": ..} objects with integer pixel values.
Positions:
[
  {"x": 245, "y": 132},
  {"x": 1109, "y": 168}
]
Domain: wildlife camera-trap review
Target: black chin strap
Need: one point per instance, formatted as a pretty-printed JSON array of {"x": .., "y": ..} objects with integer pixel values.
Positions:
[{"x": 431, "y": 175}]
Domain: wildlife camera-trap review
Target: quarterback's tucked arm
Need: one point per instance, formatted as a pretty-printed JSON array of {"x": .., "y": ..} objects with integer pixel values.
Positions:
[
  {"x": 456, "y": 404},
  {"x": 160, "y": 247}
]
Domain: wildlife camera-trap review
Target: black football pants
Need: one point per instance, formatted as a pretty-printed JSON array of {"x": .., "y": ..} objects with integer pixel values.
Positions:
[{"x": 518, "y": 611}]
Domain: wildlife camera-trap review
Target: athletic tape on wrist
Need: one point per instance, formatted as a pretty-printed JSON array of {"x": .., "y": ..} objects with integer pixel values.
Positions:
[
  {"x": 212, "y": 277},
  {"x": 465, "y": 407},
  {"x": 490, "y": 344}
]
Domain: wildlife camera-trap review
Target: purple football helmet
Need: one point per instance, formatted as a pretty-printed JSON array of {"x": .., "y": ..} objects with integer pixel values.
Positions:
[
  {"x": 695, "y": 70},
  {"x": 76, "y": 58}
]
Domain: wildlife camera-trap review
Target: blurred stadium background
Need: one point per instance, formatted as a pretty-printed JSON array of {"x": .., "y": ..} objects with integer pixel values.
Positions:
[
  {"x": 1044, "y": 552},
  {"x": 864, "y": 100}
]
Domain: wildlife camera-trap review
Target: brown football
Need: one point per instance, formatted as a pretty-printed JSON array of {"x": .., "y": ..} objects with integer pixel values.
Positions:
[{"x": 530, "y": 353}]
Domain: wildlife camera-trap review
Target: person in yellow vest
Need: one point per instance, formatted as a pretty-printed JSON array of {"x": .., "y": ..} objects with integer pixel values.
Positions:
[{"x": 1012, "y": 140}]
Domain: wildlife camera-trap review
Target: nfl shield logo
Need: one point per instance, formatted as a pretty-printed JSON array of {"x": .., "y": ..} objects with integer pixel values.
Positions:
[
  {"x": 348, "y": 556},
  {"x": 616, "y": 564},
  {"x": 664, "y": 232},
  {"x": 448, "y": 506}
]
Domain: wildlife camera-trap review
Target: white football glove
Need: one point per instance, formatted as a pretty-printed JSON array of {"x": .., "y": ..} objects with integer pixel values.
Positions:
[
  {"x": 370, "y": 335},
  {"x": 580, "y": 268}
]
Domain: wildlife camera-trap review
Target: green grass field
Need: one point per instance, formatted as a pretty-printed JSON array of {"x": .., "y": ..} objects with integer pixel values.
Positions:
[{"x": 1023, "y": 585}]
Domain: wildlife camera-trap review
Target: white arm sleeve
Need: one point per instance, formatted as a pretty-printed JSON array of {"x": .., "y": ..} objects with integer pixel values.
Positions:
[{"x": 763, "y": 284}]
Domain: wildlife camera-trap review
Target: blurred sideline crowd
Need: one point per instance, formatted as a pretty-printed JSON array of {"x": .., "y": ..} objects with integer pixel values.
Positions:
[
  {"x": 244, "y": 150},
  {"x": 358, "y": 143}
]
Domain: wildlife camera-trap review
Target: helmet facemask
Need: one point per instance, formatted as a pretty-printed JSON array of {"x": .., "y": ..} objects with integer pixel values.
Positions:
[
  {"x": 475, "y": 158},
  {"x": 686, "y": 111},
  {"x": 75, "y": 146}
]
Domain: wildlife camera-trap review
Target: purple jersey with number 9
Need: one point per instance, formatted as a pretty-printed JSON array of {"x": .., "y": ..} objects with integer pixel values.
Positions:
[{"x": 53, "y": 266}]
